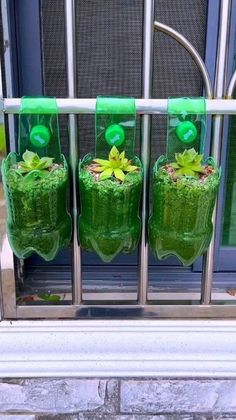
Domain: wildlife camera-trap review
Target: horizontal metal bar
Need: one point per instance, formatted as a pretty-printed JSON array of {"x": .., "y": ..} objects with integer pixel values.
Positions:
[
  {"x": 127, "y": 311},
  {"x": 143, "y": 106},
  {"x": 106, "y": 297}
]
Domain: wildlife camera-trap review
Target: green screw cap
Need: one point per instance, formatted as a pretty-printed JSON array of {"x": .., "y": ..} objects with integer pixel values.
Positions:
[
  {"x": 115, "y": 135},
  {"x": 40, "y": 136},
  {"x": 186, "y": 132}
]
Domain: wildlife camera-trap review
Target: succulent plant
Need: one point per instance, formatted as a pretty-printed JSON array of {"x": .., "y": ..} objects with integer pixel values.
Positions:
[
  {"x": 117, "y": 165},
  {"x": 31, "y": 161},
  {"x": 49, "y": 298},
  {"x": 188, "y": 163}
]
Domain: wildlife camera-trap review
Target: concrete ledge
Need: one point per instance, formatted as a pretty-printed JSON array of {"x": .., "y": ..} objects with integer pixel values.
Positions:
[{"x": 118, "y": 348}]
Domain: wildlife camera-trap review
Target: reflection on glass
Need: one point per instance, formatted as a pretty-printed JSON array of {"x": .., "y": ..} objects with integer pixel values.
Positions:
[{"x": 229, "y": 222}]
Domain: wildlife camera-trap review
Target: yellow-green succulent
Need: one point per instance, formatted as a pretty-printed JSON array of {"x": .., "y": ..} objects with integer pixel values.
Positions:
[
  {"x": 188, "y": 163},
  {"x": 117, "y": 165},
  {"x": 31, "y": 162}
]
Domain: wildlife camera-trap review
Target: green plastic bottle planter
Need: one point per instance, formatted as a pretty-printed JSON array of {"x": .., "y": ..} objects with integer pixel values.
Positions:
[
  {"x": 109, "y": 222},
  {"x": 36, "y": 184},
  {"x": 184, "y": 194},
  {"x": 180, "y": 224}
]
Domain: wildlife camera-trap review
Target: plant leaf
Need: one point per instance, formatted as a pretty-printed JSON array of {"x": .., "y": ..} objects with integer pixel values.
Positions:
[
  {"x": 23, "y": 169},
  {"x": 44, "y": 162},
  {"x": 33, "y": 162},
  {"x": 188, "y": 163},
  {"x": 117, "y": 164},
  {"x": 174, "y": 165},
  {"x": 179, "y": 159},
  {"x": 197, "y": 168},
  {"x": 119, "y": 174},
  {"x": 114, "y": 153},
  {"x": 54, "y": 298},
  {"x": 122, "y": 155},
  {"x": 106, "y": 174},
  {"x": 104, "y": 177},
  {"x": 131, "y": 168},
  {"x": 28, "y": 156},
  {"x": 198, "y": 159},
  {"x": 49, "y": 298},
  {"x": 102, "y": 162},
  {"x": 99, "y": 169},
  {"x": 125, "y": 162}
]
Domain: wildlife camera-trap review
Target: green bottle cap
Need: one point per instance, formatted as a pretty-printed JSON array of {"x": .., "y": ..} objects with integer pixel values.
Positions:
[
  {"x": 115, "y": 135},
  {"x": 40, "y": 136},
  {"x": 186, "y": 132}
]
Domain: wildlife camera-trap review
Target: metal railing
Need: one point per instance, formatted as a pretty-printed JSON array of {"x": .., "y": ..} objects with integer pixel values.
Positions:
[{"x": 141, "y": 306}]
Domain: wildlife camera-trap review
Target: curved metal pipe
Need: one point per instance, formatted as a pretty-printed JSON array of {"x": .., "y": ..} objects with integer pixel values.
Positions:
[
  {"x": 192, "y": 51},
  {"x": 232, "y": 86}
]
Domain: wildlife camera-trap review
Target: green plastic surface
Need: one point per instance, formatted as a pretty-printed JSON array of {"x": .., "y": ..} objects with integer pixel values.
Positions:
[
  {"x": 2, "y": 135},
  {"x": 40, "y": 136},
  {"x": 2, "y": 139},
  {"x": 186, "y": 125},
  {"x": 109, "y": 222},
  {"x": 38, "y": 105},
  {"x": 37, "y": 217},
  {"x": 181, "y": 220},
  {"x": 34, "y": 112},
  {"x": 115, "y": 135},
  {"x": 186, "y": 132},
  {"x": 111, "y": 113},
  {"x": 184, "y": 106}
]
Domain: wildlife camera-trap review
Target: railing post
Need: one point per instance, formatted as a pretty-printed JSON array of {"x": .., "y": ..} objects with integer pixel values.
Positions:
[
  {"x": 217, "y": 121},
  {"x": 148, "y": 32},
  {"x": 7, "y": 275},
  {"x": 71, "y": 80}
]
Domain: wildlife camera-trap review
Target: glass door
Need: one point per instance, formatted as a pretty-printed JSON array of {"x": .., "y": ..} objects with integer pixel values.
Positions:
[{"x": 226, "y": 227}]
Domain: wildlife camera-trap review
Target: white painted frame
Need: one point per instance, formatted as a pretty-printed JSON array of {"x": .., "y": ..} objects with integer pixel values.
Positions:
[{"x": 118, "y": 348}]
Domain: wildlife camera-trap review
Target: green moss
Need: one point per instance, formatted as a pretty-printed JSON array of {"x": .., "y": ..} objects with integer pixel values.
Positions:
[
  {"x": 37, "y": 218},
  {"x": 109, "y": 222},
  {"x": 180, "y": 223}
]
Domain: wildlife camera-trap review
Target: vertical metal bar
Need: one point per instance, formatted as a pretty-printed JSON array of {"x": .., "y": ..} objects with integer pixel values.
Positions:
[
  {"x": 219, "y": 92},
  {"x": 7, "y": 274},
  {"x": 71, "y": 80},
  {"x": 148, "y": 32},
  {"x": 232, "y": 85},
  {"x": 8, "y": 69},
  {"x": 8, "y": 289}
]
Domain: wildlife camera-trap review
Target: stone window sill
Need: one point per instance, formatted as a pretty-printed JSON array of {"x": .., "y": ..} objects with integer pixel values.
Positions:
[{"x": 116, "y": 348}]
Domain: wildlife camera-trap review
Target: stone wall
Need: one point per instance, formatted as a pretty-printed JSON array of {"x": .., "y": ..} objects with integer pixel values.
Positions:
[{"x": 117, "y": 399}]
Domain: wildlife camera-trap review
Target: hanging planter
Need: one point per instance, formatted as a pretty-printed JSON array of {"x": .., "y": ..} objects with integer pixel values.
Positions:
[
  {"x": 184, "y": 194},
  {"x": 184, "y": 187},
  {"x": 110, "y": 192},
  {"x": 36, "y": 184}
]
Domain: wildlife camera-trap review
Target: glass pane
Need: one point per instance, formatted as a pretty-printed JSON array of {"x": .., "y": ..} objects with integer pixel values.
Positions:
[{"x": 229, "y": 222}]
